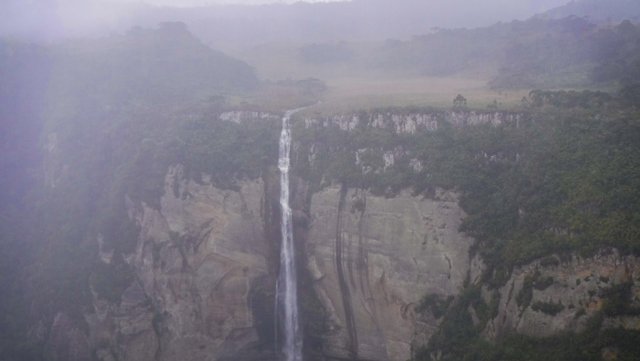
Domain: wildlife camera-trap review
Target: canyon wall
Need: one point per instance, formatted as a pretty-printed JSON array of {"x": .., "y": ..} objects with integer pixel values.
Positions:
[
  {"x": 205, "y": 262},
  {"x": 203, "y": 284},
  {"x": 372, "y": 260}
]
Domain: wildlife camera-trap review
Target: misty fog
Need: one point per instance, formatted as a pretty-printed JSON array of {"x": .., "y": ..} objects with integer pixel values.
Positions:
[
  {"x": 235, "y": 24},
  {"x": 365, "y": 180}
]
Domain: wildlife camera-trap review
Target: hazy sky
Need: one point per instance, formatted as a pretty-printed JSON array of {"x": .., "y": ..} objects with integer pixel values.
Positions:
[
  {"x": 534, "y": 3},
  {"x": 206, "y": 2},
  {"x": 54, "y": 19}
]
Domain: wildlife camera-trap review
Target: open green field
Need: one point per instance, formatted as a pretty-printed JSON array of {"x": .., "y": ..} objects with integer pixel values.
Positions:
[
  {"x": 348, "y": 94},
  {"x": 353, "y": 86}
]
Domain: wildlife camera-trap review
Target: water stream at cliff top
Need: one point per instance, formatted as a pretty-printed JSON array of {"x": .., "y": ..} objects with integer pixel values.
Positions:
[{"x": 287, "y": 286}]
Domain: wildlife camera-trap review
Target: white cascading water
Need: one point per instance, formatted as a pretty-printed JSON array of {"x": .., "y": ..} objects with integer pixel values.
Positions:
[{"x": 287, "y": 287}]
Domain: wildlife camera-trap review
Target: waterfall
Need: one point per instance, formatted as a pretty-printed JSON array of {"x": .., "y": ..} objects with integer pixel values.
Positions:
[{"x": 287, "y": 288}]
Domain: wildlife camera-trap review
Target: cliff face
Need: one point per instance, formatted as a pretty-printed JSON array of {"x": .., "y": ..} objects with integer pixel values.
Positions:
[
  {"x": 202, "y": 280},
  {"x": 205, "y": 262},
  {"x": 204, "y": 283},
  {"x": 410, "y": 122},
  {"x": 372, "y": 259},
  {"x": 551, "y": 295}
]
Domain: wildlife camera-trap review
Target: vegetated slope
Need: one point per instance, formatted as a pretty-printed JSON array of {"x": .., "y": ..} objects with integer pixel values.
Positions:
[
  {"x": 83, "y": 124},
  {"x": 574, "y": 53},
  {"x": 536, "y": 53},
  {"x": 618, "y": 54},
  {"x": 167, "y": 64},
  {"x": 599, "y": 11},
  {"x": 549, "y": 54}
]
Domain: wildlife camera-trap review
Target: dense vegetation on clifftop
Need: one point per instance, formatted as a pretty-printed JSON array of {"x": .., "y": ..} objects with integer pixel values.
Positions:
[{"x": 562, "y": 178}]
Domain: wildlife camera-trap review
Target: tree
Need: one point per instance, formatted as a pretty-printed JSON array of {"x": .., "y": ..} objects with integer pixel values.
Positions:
[{"x": 459, "y": 102}]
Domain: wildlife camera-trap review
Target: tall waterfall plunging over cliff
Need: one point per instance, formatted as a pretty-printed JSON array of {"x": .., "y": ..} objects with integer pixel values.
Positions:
[{"x": 287, "y": 288}]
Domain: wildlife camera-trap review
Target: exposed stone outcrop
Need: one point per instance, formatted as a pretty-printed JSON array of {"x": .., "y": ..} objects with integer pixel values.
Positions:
[
  {"x": 67, "y": 341},
  {"x": 372, "y": 259},
  {"x": 551, "y": 295},
  {"x": 411, "y": 122},
  {"x": 201, "y": 263},
  {"x": 204, "y": 274},
  {"x": 240, "y": 116}
]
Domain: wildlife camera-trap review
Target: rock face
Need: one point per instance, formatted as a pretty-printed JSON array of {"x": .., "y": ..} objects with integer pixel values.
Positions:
[
  {"x": 551, "y": 295},
  {"x": 206, "y": 261},
  {"x": 202, "y": 278},
  {"x": 66, "y": 341},
  {"x": 372, "y": 259}
]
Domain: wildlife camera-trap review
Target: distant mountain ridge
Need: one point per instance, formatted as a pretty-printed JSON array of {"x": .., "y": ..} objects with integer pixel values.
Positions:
[
  {"x": 240, "y": 25},
  {"x": 245, "y": 25},
  {"x": 598, "y": 11},
  {"x": 160, "y": 64},
  {"x": 350, "y": 20}
]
